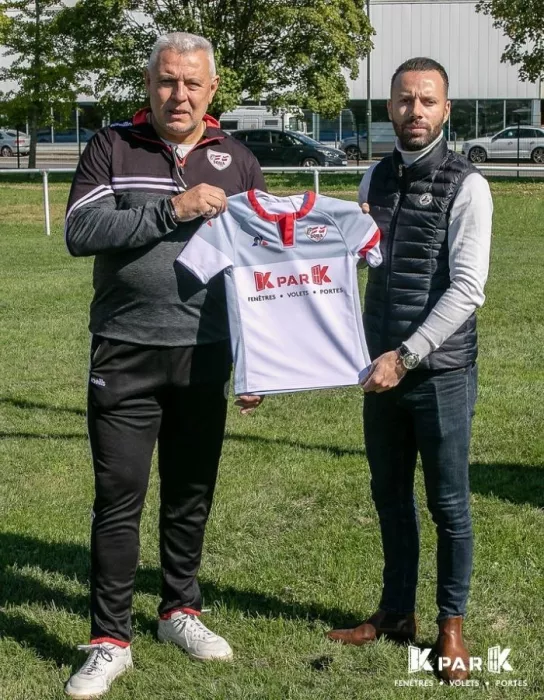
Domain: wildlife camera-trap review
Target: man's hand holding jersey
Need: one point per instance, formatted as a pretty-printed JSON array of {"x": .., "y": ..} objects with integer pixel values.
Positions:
[
  {"x": 385, "y": 373},
  {"x": 248, "y": 403},
  {"x": 202, "y": 200}
]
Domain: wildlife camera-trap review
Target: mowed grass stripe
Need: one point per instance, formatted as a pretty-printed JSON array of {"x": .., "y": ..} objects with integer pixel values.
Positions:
[{"x": 293, "y": 543}]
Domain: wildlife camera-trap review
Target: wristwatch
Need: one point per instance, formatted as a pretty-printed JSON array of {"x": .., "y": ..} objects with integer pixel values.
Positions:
[{"x": 410, "y": 360}]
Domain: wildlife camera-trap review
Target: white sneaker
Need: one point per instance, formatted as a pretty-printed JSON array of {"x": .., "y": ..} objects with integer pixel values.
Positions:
[
  {"x": 104, "y": 663},
  {"x": 190, "y": 634}
]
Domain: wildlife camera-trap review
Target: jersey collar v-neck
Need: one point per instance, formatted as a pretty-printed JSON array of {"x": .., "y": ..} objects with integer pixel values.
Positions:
[{"x": 285, "y": 221}]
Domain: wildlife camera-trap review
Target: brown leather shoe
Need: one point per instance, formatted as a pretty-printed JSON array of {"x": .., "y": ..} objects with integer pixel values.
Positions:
[
  {"x": 450, "y": 644},
  {"x": 400, "y": 628}
]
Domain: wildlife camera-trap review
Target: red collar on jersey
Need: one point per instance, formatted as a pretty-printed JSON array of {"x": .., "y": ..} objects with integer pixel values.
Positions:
[{"x": 285, "y": 220}]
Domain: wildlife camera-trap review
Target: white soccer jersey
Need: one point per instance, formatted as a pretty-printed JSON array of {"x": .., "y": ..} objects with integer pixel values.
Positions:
[{"x": 291, "y": 283}]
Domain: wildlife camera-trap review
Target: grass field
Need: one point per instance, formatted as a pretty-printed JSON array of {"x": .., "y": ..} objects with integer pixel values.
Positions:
[{"x": 292, "y": 546}]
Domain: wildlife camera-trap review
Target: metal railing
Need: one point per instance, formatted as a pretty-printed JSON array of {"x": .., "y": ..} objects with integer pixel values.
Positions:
[{"x": 506, "y": 170}]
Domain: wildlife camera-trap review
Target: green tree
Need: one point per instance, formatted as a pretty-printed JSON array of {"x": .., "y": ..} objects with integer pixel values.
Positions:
[
  {"x": 45, "y": 76},
  {"x": 4, "y": 23},
  {"x": 4, "y": 28},
  {"x": 290, "y": 52},
  {"x": 523, "y": 23}
]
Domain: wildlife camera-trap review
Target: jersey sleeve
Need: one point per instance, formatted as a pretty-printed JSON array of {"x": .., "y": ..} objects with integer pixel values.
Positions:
[
  {"x": 362, "y": 236},
  {"x": 211, "y": 249}
]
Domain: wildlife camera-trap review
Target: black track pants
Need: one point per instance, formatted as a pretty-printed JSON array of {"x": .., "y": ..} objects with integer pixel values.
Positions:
[{"x": 139, "y": 395}]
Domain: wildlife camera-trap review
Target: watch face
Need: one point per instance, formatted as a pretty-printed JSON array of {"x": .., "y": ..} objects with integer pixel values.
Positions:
[{"x": 410, "y": 360}]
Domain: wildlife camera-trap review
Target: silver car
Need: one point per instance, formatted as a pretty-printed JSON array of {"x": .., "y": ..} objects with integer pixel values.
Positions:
[
  {"x": 504, "y": 145},
  {"x": 8, "y": 142},
  {"x": 383, "y": 141}
]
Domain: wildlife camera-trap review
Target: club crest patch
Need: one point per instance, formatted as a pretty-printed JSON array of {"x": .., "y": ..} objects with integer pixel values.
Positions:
[
  {"x": 220, "y": 161},
  {"x": 425, "y": 199},
  {"x": 316, "y": 233}
]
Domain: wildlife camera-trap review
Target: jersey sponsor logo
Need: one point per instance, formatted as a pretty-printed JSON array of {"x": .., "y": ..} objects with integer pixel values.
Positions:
[
  {"x": 262, "y": 281},
  {"x": 316, "y": 233},
  {"x": 258, "y": 240},
  {"x": 220, "y": 161},
  {"x": 98, "y": 381},
  {"x": 425, "y": 199},
  {"x": 318, "y": 275}
]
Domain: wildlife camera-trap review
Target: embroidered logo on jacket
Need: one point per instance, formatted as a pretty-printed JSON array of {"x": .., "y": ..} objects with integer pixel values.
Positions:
[
  {"x": 220, "y": 161},
  {"x": 425, "y": 199}
]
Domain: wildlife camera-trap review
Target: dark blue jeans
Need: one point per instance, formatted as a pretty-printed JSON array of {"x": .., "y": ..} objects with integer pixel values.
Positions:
[{"x": 429, "y": 413}]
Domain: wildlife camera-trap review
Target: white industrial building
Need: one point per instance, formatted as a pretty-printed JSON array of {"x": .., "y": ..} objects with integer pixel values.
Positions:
[{"x": 485, "y": 93}]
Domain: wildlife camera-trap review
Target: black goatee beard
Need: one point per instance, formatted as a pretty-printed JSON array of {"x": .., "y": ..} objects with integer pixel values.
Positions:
[{"x": 417, "y": 143}]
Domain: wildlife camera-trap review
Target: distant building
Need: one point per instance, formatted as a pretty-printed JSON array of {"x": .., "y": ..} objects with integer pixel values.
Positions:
[{"x": 486, "y": 94}]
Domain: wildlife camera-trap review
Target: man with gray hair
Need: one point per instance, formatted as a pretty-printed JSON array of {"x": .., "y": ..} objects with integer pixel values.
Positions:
[{"x": 160, "y": 354}]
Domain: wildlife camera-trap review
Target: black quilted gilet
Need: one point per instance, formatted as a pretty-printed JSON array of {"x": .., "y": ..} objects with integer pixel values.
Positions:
[{"x": 412, "y": 207}]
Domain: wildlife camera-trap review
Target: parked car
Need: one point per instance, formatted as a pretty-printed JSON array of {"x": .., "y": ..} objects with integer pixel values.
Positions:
[
  {"x": 8, "y": 142},
  {"x": 383, "y": 141},
  {"x": 65, "y": 135},
  {"x": 290, "y": 148},
  {"x": 504, "y": 145}
]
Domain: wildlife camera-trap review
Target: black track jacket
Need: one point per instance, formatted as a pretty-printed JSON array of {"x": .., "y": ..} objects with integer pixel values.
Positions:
[{"x": 119, "y": 212}]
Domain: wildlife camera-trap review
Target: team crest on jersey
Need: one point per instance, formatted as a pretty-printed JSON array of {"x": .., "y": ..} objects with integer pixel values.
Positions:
[
  {"x": 220, "y": 161},
  {"x": 425, "y": 199},
  {"x": 316, "y": 233}
]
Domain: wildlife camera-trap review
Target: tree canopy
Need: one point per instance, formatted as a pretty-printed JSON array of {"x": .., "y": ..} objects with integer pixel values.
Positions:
[
  {"x": 289, "y": 52},
  {"x": 523, "y": 23},
  {"x": 45, "y": 75},
  {"x": 4, "y": 23}
]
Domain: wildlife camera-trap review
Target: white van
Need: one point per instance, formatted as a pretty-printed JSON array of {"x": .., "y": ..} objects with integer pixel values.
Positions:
[{"x": 261, "y": 117}]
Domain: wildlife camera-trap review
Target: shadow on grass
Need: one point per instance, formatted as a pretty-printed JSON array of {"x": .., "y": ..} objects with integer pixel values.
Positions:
[
  {"x": 28, "y": 633},
  {"x": 71, "y": 560},
  {"x": 332, "y": 449},
  {"x": 20, "y": 587},
  {"x": 42, "y": 436},
  {"x": 21, "y": 403},
  {"x": 24, "y": 588},
  {"x": 32, "y": 405},
  {"x": 514, "y": 483},
  {"x": 16, "y": 177}
]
